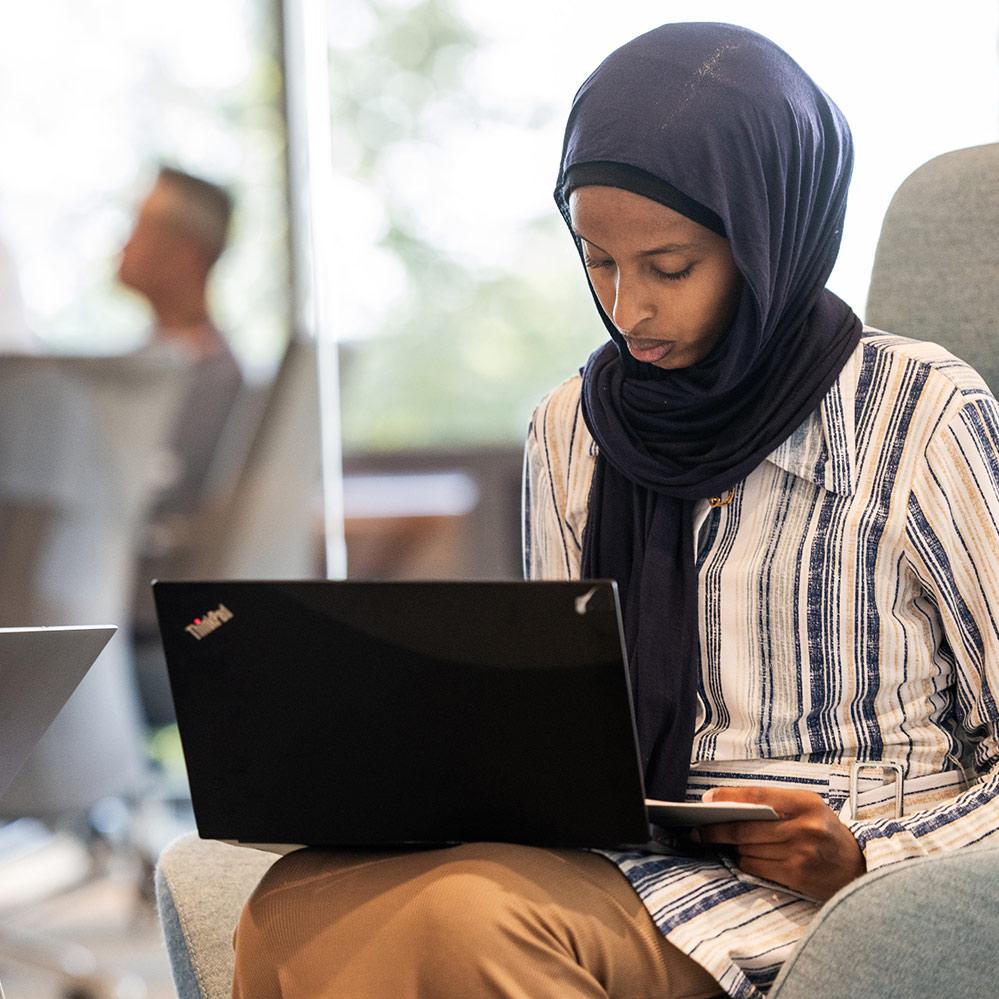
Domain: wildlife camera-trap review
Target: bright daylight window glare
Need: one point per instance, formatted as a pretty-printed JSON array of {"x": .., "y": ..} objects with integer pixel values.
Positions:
[
  {"x": 93, "y": 95},
  {"x": 460, "y": 296}
]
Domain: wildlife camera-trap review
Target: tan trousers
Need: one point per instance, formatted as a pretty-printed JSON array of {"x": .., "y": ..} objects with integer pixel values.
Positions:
[{"x": 478, "y": 920}]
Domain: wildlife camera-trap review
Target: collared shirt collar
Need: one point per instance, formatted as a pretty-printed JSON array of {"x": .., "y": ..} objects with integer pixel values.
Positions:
[{"x": 823, "y": 450}]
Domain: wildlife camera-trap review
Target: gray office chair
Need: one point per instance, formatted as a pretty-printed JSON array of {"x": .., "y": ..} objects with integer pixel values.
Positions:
[
  {"x": 870, "y": 941},
  {"x": 936, "y": 269},
  {"x": 263, "y": 521},
  {"x": 78, "y": 440},
  {"x": 201, "y": 886},
  {"x": 259, "y": 517},
  {"x": 925, "y": 928},
  {"x": 936, "y": 276}
]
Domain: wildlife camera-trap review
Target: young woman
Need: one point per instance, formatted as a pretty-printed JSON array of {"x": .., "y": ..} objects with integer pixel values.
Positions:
[{"x": 803, "y": 520}]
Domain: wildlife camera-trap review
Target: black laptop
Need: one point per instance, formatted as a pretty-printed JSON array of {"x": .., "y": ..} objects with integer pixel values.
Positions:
[{"x": 386, "y": 714}]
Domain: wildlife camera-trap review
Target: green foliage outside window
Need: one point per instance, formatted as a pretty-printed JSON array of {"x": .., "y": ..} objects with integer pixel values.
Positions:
[{"x": 466, "y": 350}]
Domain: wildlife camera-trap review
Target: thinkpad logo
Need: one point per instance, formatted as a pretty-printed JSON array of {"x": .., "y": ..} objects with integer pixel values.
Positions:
[{"x": 200, "y": 627}]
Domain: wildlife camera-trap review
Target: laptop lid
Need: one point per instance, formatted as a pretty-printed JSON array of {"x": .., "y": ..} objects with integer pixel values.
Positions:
[
  {"x": 358, "y": 713},
  {"x": 39, "y": 670}
]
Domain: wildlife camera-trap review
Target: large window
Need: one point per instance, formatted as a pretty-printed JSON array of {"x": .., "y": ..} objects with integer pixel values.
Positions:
[
  {"x": 93, "y": 95},
  {"x": 460, "y": 295}
]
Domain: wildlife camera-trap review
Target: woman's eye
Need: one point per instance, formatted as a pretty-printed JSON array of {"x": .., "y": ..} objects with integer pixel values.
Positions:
[
  {"x": 593, "y": 264},
  {"x": 674, "y": 275}
]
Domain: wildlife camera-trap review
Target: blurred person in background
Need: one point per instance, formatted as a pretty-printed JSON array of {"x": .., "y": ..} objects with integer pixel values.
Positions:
[{"x": 180, "y": 232}]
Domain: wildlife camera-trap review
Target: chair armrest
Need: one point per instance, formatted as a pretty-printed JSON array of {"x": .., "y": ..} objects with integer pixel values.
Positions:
[
  {"x": 201, "y": 886},
  {"x": 922, "y": 928}
]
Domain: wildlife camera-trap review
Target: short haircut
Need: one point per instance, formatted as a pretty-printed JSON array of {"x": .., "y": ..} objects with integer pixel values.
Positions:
[{"x": 200, "y": 209}]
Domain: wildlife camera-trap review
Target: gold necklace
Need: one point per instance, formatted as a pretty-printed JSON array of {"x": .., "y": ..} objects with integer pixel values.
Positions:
[{"x": 716, "y": 501}]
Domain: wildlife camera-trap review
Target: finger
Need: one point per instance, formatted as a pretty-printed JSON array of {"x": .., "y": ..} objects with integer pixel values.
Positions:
[
  {"x": 771, "y": 870},
  {"x": 785, "y": 803},
  {"x": 777, "y": 852},
  {"x": 739, "y": 833}
]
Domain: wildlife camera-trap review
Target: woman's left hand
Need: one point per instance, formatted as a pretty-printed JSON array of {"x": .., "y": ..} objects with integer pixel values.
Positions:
[{"x": 807, "y": 849}]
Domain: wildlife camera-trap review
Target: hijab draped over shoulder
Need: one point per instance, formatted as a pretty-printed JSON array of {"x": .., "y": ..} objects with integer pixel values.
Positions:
[{"x": 721, "y": 125}]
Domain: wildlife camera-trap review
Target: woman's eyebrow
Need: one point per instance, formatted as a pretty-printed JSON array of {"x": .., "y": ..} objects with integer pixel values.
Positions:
[
  {"x": 596, "y": 246},
  {"x": 667, "y": 248},
  {"x": 654, "y": 252}
]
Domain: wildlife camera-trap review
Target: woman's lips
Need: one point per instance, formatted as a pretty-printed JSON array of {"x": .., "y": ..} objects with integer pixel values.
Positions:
[{"x": 648, "y": 351}]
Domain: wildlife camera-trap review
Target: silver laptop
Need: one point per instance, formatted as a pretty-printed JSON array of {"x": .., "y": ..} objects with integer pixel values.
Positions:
[{"x": 39, "y": 670}]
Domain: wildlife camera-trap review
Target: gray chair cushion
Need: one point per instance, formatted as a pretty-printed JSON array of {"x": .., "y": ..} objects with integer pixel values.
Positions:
[
  {"x": 927, "y": 927},
  {"x": 936, "y": 271},
  {"x": 924, "y": 928},
  {"x": 201, "y": 886}
]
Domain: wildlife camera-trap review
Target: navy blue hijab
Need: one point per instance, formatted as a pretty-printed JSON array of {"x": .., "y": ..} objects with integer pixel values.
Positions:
[{"x": 718, "y": 123}]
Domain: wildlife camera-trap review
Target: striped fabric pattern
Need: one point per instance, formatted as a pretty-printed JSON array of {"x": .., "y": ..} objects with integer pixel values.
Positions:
[{"x": 849, "y": 610}]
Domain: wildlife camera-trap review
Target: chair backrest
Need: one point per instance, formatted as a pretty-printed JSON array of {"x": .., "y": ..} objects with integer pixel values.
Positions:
[
  {"x": 936, "y": 270},
  {"x": 78, "y": 441},
  {"x": 266, "y": 523}
]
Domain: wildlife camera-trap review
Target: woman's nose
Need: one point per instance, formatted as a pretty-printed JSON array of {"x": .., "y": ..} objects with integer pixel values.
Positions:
[{"x": 631, "y": 304}]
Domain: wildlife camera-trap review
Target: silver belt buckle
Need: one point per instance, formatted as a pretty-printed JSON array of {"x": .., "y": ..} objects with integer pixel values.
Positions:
[{"x": 896, "y": 772}]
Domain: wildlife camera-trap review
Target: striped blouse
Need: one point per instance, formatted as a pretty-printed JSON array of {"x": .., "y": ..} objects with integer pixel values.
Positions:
[{"x": 849, "y": 610}]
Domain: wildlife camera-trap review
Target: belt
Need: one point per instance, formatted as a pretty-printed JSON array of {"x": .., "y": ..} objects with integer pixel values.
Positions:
[{"x": 879, "y": 788}]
